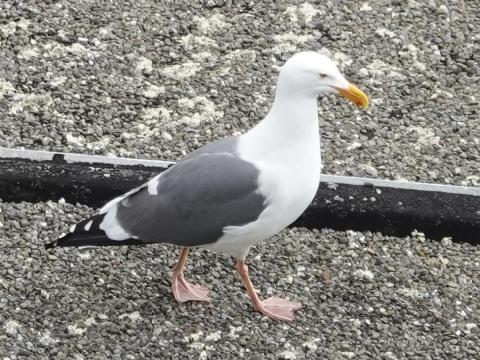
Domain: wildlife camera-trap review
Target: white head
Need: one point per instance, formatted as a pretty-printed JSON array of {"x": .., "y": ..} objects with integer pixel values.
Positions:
[{"x": 310, "y": 74}]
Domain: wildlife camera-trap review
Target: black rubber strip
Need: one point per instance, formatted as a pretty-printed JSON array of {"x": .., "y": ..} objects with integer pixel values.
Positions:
[{"x": 379, "y": 207}]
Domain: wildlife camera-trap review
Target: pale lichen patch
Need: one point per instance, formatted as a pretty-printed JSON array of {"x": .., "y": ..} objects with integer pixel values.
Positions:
[
  {"x": 366, "y": 7},
  {"x": 46, "y": 339},
  {"x": 410, "y": 51},
  {"x": 413, "y": 293},
  {"x": 8, "y": 28},
  {"x": 90, "y": 321},
  {"x": 156, "y": 114},
  {"x": 193, "y": 337},
  {"x": 11, "y": 327},
  {"x": 152, "y": 121},
  {"x": 354, "y": 146},
  {"x": 241, "y": 54},
  {"x": 201, "y": 56},
  {"x": 54, "y": 49},
  {"x": 287, "y": 355},
  {"x": 425, "y": 136},
  {"x": 289, "y": 42},
  {"x": 382, "y": 32},
  {"x": 75, "y": 330},
  {"x": 308, "y": 11},
  {"x": 23, "y": 24},
  {"x": 210, "y": 25},
  {"x": 30, "y": 102},
  {"x": 57, "y": 50},
  {"x": 77, "y": 49},
  {"x": 193, "y": 341},
  {"x": 380, "y": 69},
  {"x": 6, "y": 88},
  {"x": 238, "y": 56},
  {"x": 290, "y": 352},
  {"x": 340, "y": 58},
  {"x": 291, "y": 13},
  {"x": 133, "y": 316},
  {"x": 28, "y": 52},
  {"x": 144, "y": 65},
  {"x": 234, "y": 330},
  {"x": 347, "y": 354},
  {"x": 100, "y": 145},
  {"x": 215, "y": 336},
  {"x": 181, "y": 71},
  {"x": 311, "y": 345},
  {"x": 11, "y": 27},
  {"x": 58, "y": 81},
  {"x": 363, "y": 274},
  {"x": 73, "y": 140},
  {"x": 204, "y": 110},
  {"x": 305, "y": 11},
  {"x": 190, "y": 42},
  {"x": 152, "y": 91}
]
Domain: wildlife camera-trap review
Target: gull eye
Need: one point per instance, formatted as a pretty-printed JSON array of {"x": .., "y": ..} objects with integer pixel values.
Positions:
[{"x": 323, "y": 76}]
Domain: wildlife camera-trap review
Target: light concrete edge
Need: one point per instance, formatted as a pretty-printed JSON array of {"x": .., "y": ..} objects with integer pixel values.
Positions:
[{"x": 40, "y": 155}]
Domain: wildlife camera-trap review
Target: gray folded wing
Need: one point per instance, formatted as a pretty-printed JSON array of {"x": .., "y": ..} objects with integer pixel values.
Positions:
[{"x": 193, "y": 201}]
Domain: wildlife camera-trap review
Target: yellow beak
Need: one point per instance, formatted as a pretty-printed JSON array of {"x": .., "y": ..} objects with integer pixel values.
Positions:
[{"x": 354, "y": 94}]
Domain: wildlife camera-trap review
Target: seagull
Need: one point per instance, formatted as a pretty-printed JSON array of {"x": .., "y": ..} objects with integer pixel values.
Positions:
[{"x": 233, "y": 193}]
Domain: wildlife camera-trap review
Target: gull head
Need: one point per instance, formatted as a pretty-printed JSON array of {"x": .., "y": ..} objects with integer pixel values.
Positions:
[{"x": 311, "y": 74}]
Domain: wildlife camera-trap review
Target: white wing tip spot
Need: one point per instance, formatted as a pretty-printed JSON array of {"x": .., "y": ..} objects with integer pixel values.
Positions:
[
  {"x": 72, "y": 228},
  {"x": 153, "y": 186},
  {"x": 112, "y": 228},
  {"x": 88, "y": 225}
]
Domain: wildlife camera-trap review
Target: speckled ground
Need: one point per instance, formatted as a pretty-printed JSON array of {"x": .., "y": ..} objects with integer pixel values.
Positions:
[
  {"x": 158, "y": 79},
  {"x": 365, "y": 296}
]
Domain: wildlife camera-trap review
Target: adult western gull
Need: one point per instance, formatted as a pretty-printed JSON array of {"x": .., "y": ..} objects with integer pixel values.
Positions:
[{"x": 233, "y": 193}]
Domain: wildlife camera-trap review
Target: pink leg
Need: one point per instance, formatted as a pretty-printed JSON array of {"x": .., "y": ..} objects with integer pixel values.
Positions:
[
  {"x": 182, "y": 289},
  {"x": 274, "y": 307}
]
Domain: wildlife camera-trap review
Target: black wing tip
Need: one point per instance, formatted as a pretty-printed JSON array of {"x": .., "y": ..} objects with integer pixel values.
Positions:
[
  {"x": 57, "y": 243},
  {"x": 51, "y": 245},
  {"x": 79, "y": 234},
  {"x": 85, "y": 240},
  {"x": 93, "y": 236}
]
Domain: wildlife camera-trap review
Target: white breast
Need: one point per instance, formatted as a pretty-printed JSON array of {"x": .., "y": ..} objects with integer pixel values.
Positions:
[
  {"x": 289, "y": 177},
  {"x": 289, "y": 183}
]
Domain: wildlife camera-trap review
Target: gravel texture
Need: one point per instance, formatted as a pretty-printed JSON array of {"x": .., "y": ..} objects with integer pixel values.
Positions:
[
  {"x": 366, "y": 297},
  {"x": 157, "y": 79}
]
